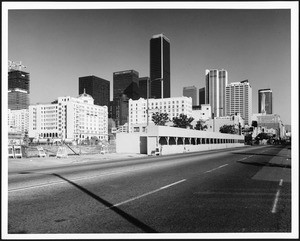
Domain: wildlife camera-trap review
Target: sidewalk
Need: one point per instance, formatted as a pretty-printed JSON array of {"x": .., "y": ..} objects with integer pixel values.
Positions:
[{"x": 39, "y": 162}]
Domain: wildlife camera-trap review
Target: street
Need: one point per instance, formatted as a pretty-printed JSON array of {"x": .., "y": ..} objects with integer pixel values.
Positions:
[{"x": 239, "y": 190}]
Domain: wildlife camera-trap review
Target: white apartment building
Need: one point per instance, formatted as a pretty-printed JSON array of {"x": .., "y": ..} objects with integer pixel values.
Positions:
[
  {"x": 18, "y": 120},
  {"x": 69, "y": 119},
  {"x": 172, "y": 106},
  {"x": 239, "y": 100}
]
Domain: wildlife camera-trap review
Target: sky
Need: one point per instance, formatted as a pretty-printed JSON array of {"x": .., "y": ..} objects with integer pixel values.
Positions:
[{"x": 60, "y": 45}]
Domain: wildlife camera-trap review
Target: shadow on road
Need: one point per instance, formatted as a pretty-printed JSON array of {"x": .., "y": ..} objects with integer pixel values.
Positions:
[
  {"x": 126, "y": 216},
  {"x": 265, "y": 164},
  {"x": 256, "y": 154}
]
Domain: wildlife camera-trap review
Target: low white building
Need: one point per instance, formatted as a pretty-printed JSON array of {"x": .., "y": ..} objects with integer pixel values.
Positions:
[
  {"x": 203, "y": 113},
  {"x": 69, "y": 119},
  {"x": 214, "y": 125},
  {"x": 18, "y": 120},
  {"x": 172, "y": 106}
]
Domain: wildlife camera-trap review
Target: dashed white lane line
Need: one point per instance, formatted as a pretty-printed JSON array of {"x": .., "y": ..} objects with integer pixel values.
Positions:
[
  {"x": 274, "y": 208},
  {"x": 146, "y": 194},
  {"x": 280, "y": 183},
  {"x": 216, "y": 168}
]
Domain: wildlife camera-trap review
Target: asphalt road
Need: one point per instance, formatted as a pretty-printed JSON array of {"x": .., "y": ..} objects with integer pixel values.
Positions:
[{"x": 240, "y": 190}]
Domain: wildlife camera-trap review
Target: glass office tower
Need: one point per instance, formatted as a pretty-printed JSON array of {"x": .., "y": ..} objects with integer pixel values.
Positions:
[{"x": 160, "y": 67}]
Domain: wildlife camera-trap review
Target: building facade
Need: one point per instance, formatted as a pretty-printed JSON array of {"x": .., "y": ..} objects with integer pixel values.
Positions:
[
  {"x": 160, "y": 67},
  {"x": 144, "y": 87},
  {"x": 138, "y": 110},
  {"x": 69, "y": 119},
  {"x": 216, "y": 82},
  {"x": 202, "y": 96},
  {"x": 18, "y": 89},
  {"x": 97, "y": 87},
  {"x": 18, "y": 120},
  {"x": 239, "y": 100},
  {"x": 270, "y": 121},
  {"x": 265, "y": 101},
  {"x": 122, "y": 79},
  {"x": 190, "y": 91}
]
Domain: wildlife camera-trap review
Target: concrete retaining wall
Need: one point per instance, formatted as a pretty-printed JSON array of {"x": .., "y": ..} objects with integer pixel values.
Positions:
[{"x": 173, "y": 149}]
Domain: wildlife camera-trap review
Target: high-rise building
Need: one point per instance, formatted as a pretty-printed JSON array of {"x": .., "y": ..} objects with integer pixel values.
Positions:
[
  {"x": 125, "y": 87},
  {"x": 190, "y": 91},
  {"x": 202, "y": 96},
  {"x": 265, "y": 101},
  {"x": 18, "y": 89},
  {"x": 122, "y": 79},
  {"x": 160, "y": 67},
  {"x": 239, "y": 100},
  {"x": 216, "y": 82},
  {"x": 144, "y": 87},
  {"x": 97, "y": 87}
]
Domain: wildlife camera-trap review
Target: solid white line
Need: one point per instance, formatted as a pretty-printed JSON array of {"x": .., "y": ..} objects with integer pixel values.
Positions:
[
  {"x": 146, "y": 194},
  {"x": 216, "y": 168},
  {"x": 275, "y": 202}
]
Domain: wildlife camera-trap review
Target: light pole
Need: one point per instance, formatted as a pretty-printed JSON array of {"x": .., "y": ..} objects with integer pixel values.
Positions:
[
  {"x": 162, "y": 94},
  {"x": 214, "y": 119}
]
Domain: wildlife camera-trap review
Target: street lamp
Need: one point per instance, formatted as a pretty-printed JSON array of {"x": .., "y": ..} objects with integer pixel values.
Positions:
[
  {"x": 214, "y": 118},
  {"x": 162, "y": 94}
]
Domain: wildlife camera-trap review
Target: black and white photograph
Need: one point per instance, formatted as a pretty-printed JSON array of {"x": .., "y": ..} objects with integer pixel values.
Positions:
[{"x": 150, "y": 120}]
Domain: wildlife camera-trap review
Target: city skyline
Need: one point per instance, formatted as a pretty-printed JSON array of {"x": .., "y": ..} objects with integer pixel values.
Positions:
[{"x": 249, "y": 44}]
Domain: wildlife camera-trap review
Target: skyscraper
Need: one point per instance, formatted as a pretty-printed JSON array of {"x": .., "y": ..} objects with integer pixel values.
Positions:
[
  {"x": 216, "y": 82},
  {"x": 190, "y": 91},
  {"x": 202, "y": 96},
  {"x": 160, "y": 66},
  {"x": 239, "y": 100},
  {"x": 265, "y": 101},
  {"x": 125, "y": 87},
  {"x": 18, "y": 89},
  {"x": 144, "y": 87},
  {"x": 122, "y": 79},
  {"x": 97, "y": 87}
]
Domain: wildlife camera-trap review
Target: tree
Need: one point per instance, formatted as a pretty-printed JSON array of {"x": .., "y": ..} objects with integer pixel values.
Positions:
[
  {"x": 254, "y": 123},
  {"x": 182, "y": 121},
  {"x": 229, "y": 129},
  {"x": 160, "y": 119},
  {"x": 201, "y": 125}
]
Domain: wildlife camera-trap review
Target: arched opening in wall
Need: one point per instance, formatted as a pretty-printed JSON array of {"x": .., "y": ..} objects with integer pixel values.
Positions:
[
  {"x": 172, "y": 141},
  {"x": 203, "y": 140},
  {"x": 187, "y": 141},
  {"x": 198, "y": 141},
  {"x": 193, "y": 141},
  {"x": 163, "y": 140},
  {"x": 180, "y": 141}
]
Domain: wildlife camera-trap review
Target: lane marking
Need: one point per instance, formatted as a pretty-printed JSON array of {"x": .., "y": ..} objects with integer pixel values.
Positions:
[
  {"x": 275, "y": 202},
  {"x": 277, "y": 196},
  {"x": 281, "y": 181},
  {"x": 216, "y": 168},
  {"x": 146, "y": 194}
]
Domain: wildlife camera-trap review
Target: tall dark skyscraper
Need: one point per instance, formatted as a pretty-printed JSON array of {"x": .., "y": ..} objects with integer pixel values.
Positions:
[
  {"x": 202, "y": 96},
  {"x": 122, "y": 79},
  {"x": 144, "y": 86},
  {"x": 265, "y": 101},
  {"x": 18, "y": 89},
  {"x": 160, "y": 66},
  {"x": 97, "y": 87},
  {"x": 125, "y": 87}
]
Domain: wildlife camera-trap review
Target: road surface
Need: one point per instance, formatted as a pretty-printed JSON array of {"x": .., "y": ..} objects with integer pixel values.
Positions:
[{"x": 241, "y": 190}]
